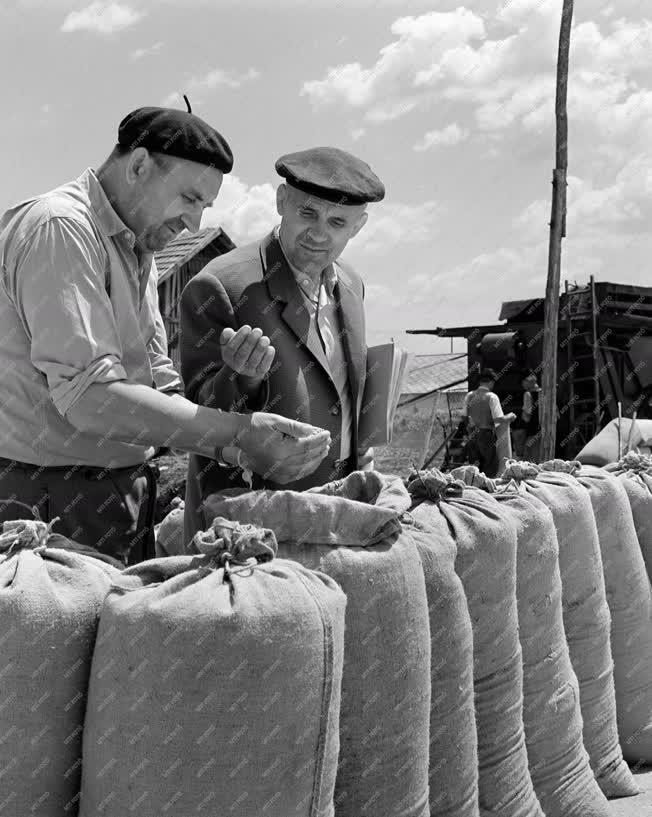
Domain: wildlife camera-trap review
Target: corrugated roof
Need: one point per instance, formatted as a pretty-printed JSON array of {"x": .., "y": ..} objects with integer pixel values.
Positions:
[
  {"x": 427, "y": 373},
  {"x": 181, "y": 249}
]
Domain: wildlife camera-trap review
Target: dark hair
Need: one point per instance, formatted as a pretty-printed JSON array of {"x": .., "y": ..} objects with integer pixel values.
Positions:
[{"x": 487, "y": 375}]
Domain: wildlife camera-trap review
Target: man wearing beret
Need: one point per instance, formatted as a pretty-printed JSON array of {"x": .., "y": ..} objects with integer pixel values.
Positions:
[
  {"x": 304, "y": 302},
  {"x": 88, "y": 393}
]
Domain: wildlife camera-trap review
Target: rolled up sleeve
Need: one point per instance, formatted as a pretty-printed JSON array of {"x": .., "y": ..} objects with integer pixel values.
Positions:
[
  {"x": 166, "y": 378},
  {"x": 58, "y": 288}
]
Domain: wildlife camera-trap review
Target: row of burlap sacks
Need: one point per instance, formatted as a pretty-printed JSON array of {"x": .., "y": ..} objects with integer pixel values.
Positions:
[{"x": 462, "y": 636}]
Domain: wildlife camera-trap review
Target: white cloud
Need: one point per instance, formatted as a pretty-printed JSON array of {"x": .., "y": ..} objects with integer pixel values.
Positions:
[
  {"x": 358, "y": 133},
  {"x": 450, "y": 135},
  {"x": 392, "y": 224},
  {"x": 245, "y": 213},
  {"x": 594, "y": 213},
  {"x": 139, "y": 53},
  {"x": 398, "y": 70},
  {"x": 197, "y": 86},
  {"x": 501, "y": 68},
  {"x": 102, "y": 18}
]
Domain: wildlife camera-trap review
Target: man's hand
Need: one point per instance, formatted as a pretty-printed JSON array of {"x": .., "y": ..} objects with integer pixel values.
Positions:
[
  {"x": 248, "y": 352},
  {"x": 279, "y": 449},
  {"x": 365, "y": 459}
]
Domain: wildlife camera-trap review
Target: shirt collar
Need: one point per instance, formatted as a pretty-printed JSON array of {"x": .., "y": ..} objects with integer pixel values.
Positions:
[
  {"x": 329, "y": 276},
  {"x": 103, "y": 208}
]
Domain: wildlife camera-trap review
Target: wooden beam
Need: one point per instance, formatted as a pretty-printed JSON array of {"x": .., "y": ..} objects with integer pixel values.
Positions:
[{"x": 557, "y": 232}]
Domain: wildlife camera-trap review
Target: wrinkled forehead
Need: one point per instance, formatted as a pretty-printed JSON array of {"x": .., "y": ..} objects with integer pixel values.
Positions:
[{"x": 324, "y": 207}]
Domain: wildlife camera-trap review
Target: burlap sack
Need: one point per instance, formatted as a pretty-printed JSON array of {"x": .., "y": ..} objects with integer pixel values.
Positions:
[
  {"x": 50, "y": 598},
  {"x": 587, "y": 621},
  {"x": 635, "y": 471},
  {"x": 169, "y": 532},
  {"x": 604, "y": 449},
  {"x": 351, "y": 531},
  {"x": 628, "y": 536},
  {"x": 485, "y": 545},
  {"x": 559, "y": 763},
  {"x": 453, "y": 735},
  {"x": 215, "y": 686}
]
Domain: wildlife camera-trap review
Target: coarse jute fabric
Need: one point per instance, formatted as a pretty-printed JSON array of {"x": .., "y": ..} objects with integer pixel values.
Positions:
[
  {"x": 215, "y": 685},
  {"x": 559, "y": 763},
  {"x": 587, "y": 621},
  {"x": 630, "y": 598},
  {"x": 51, "y": 593},
  {"x": 351, "y": 530},
  {"x": 453, "y": 734},
  {"x": 485, "y": 546}
]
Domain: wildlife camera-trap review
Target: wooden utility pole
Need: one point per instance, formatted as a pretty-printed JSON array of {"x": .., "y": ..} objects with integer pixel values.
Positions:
[{"x": 557, "y": 232}]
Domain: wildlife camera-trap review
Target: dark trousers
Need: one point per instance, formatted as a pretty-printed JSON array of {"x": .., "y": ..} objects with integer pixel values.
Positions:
[
  {"x": 481, "y": 450},
  {"x": 111, "y": 510}
]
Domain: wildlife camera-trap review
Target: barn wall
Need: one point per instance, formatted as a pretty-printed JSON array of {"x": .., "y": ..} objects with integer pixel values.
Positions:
[{"x": 170, "y": 295}]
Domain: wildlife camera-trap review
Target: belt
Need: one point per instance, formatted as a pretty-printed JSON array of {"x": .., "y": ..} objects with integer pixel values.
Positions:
[{"x": 91, "y": 472}]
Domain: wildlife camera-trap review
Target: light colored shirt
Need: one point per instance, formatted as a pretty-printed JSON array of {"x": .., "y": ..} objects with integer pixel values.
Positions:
[
  {"x": 528, "y": 402},
  {"x": 492, "y": 400},
  {"x": 322, "y": 308},
  {"x": 77, "y": 307}
]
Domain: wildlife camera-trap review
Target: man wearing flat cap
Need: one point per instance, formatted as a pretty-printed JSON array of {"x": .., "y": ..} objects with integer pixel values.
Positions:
[
  {"x": 302, "y": 299},
  {"x": 88, "y": 392}
]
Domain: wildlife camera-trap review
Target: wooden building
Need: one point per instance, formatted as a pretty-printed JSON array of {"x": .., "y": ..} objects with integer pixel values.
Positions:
[
  {"x": 183, "y": 258},
  {"x": 604, "y": 356}
]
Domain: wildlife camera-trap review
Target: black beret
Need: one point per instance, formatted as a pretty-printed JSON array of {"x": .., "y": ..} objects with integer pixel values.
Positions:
[
  {"x": 331, "y": 174},
  {"x": 176, "y": 133}
]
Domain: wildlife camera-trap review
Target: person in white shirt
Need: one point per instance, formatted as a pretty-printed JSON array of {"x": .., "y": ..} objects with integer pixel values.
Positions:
[{"x": 483, "y": 412}]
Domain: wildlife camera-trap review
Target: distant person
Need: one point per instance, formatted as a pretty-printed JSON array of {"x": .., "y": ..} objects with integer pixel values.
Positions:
[
  {"x": 484, "y": 413},
  {"x": 526, "y": 429}
]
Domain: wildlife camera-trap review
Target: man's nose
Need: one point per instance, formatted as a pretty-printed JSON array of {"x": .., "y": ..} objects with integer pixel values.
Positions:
[
  {"x": 191, "y": 221},
  {"x": 318, "y": 231}
]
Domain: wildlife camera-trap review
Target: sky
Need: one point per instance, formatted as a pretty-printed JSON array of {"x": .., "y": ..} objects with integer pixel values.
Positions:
[{"x": 451, "y": 103}]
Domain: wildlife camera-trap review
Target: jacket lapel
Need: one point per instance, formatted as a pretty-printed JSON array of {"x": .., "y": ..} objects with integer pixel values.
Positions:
[
  {"x": 351, "y": 316},
  {"x": 283, "y": 288}
]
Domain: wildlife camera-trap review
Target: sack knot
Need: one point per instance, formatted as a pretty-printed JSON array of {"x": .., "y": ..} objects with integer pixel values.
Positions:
[
  {"x": 433, "y": 485},
  {"x": 230, "y": 543},
  {"x": 519, "y": 471},
  {"x": 572, "y": 467},
  {"x": 632, "y": 461},
  {"x": 25, "y": 534},
  {"x": 473, "y": 476}
]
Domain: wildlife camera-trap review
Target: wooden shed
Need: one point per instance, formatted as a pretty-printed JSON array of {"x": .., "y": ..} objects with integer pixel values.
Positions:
[{"x": 183, "y": 258}]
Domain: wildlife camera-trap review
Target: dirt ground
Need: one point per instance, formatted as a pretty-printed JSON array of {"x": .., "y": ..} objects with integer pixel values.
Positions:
[{"x": 171, "y": 482}]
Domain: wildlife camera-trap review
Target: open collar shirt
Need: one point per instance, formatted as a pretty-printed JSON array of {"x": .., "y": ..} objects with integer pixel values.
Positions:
[
  {"x": 78, "y": 306},
  {"x": 322, "y": 307}
]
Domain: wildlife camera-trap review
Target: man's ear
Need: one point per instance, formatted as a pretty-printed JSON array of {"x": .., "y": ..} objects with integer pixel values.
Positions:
[
  {"x": 281, "y": 199},
  {"x": 361, "y": 222},
  {"x": 139, "y": 165}
]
